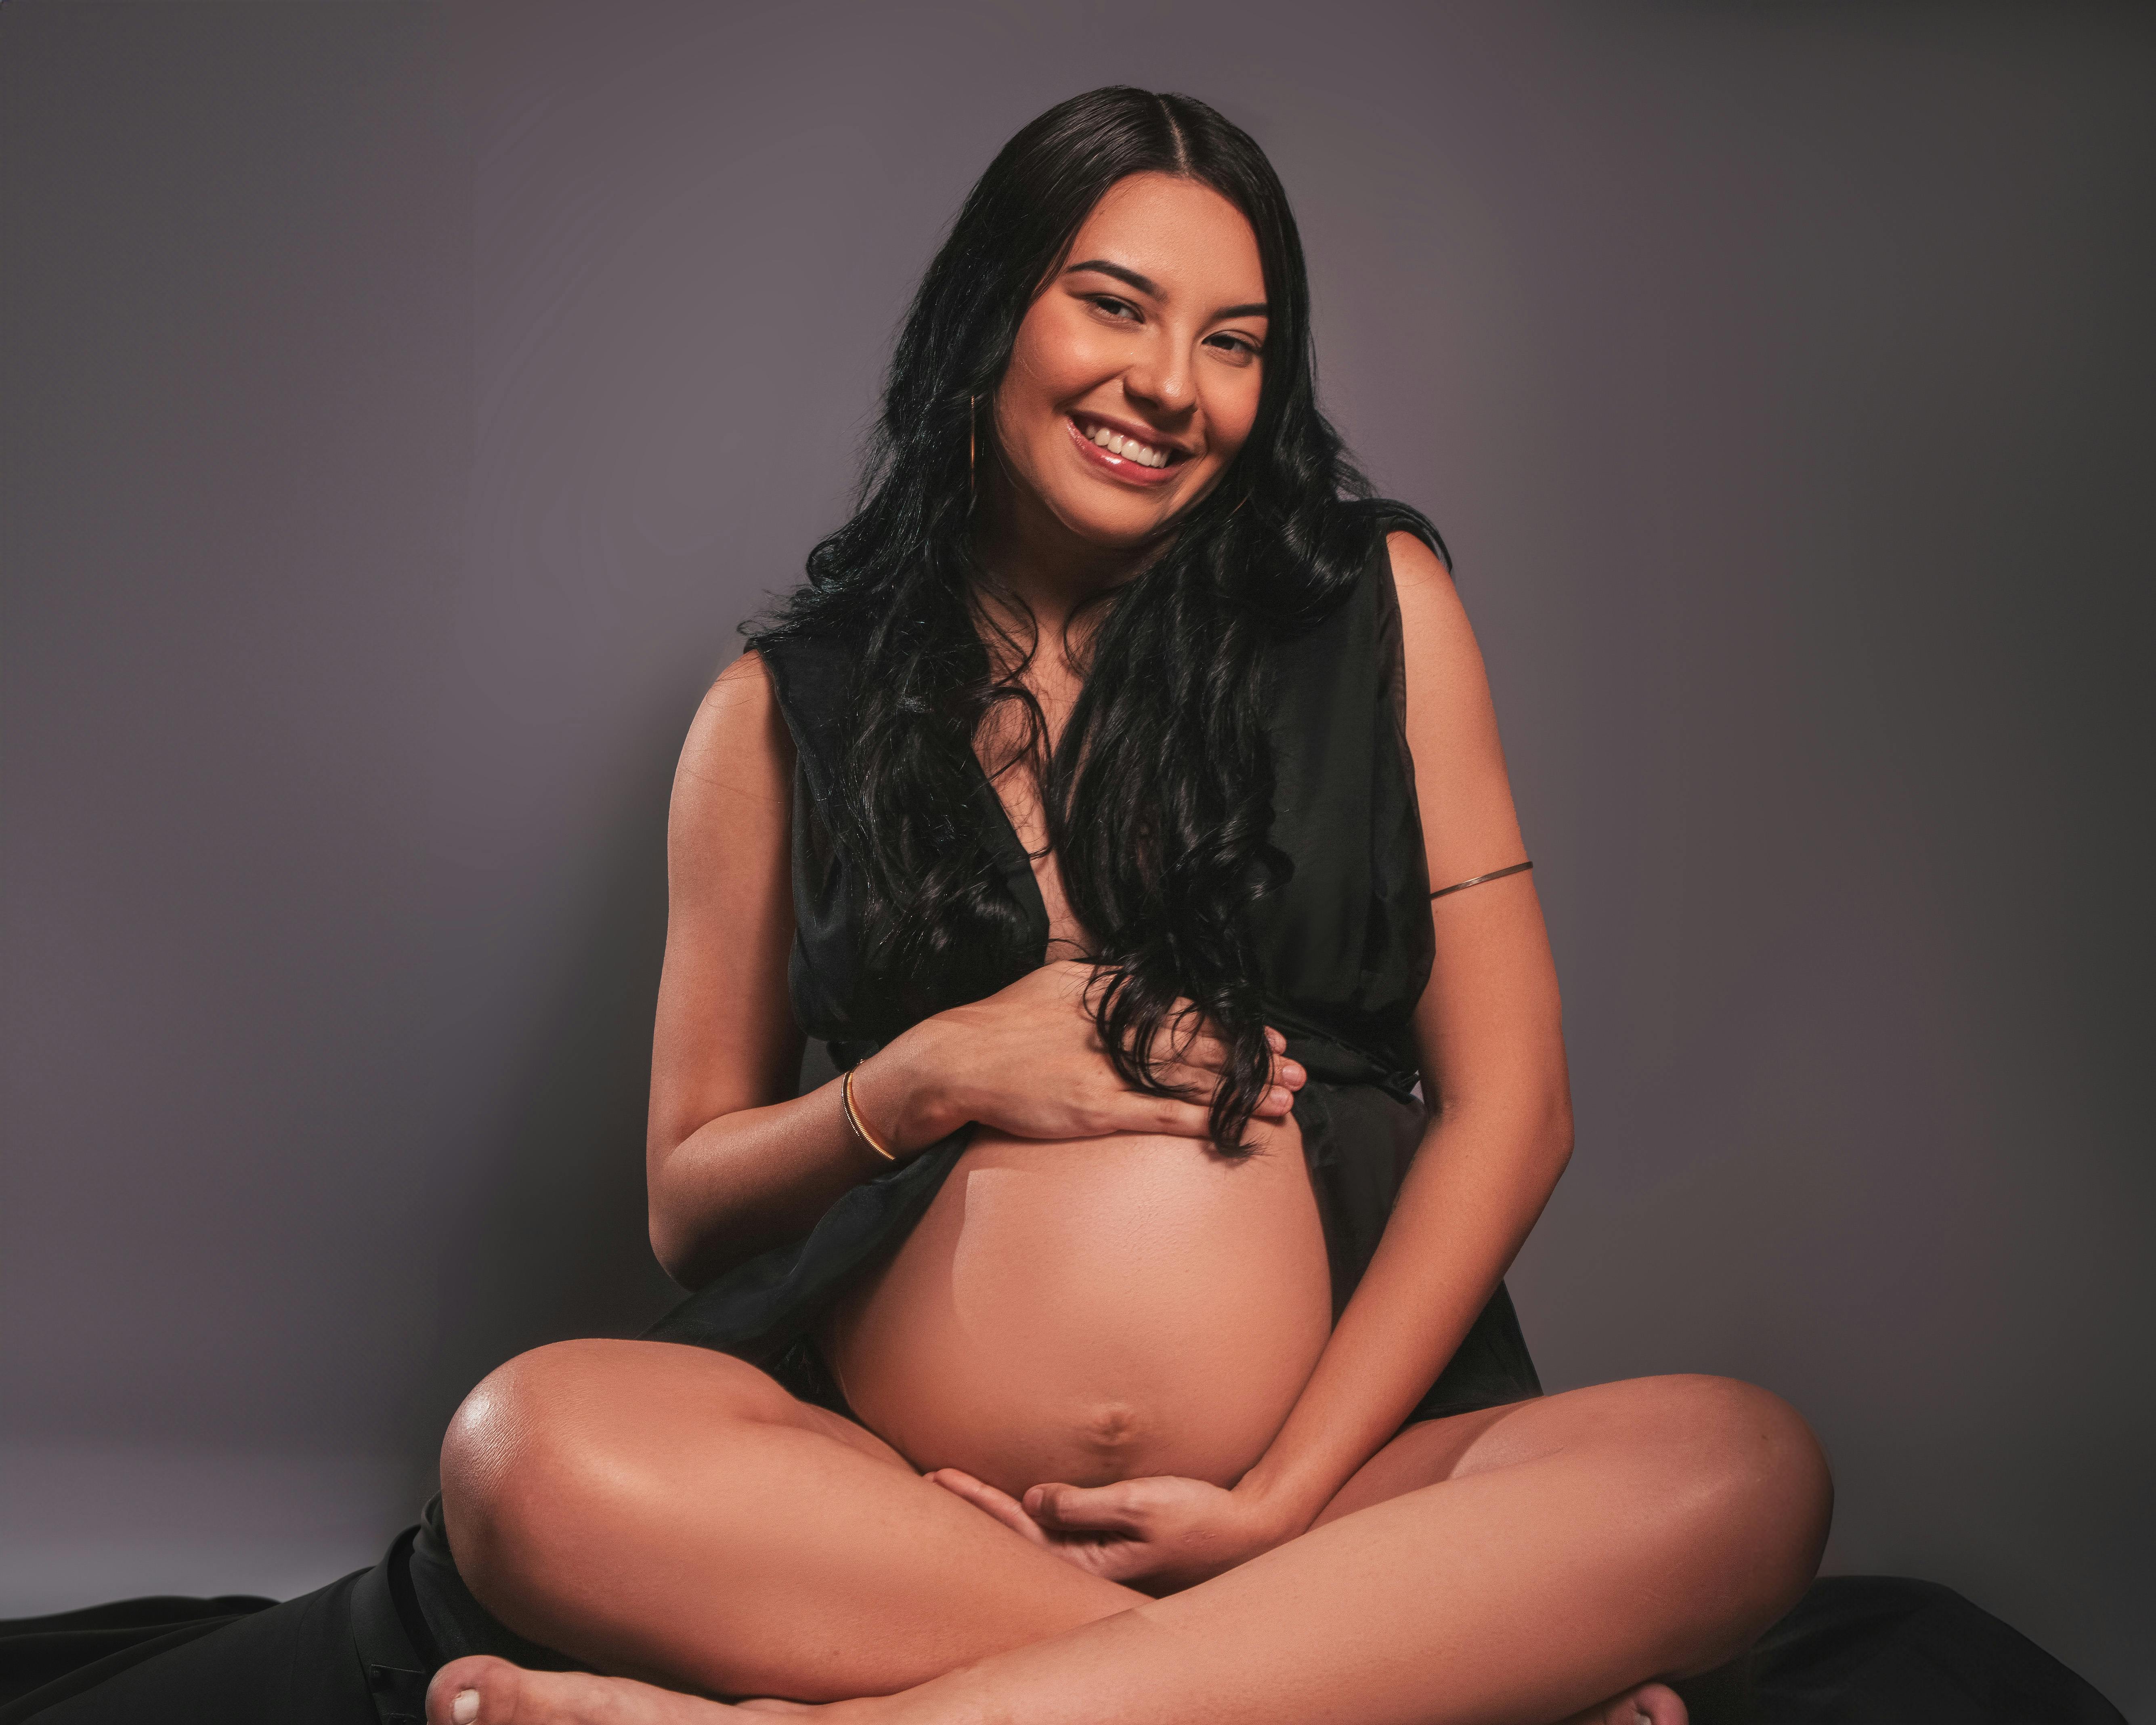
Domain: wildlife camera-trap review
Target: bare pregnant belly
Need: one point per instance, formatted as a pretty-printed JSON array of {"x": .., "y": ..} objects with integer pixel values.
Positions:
[{"x": 1094, "y": 1311}]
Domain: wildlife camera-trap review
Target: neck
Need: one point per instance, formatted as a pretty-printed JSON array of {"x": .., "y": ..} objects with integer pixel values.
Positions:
[{"x": 1035, "y": 557}]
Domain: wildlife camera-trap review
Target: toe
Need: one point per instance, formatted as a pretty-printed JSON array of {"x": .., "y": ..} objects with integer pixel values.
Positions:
[
  {"x": 474, "y": 1691},
  {"x": 1653, "y": 1704}
]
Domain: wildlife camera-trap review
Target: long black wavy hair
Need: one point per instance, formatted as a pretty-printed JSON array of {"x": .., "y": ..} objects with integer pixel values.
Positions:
[{"x": 1158, "y": 795}]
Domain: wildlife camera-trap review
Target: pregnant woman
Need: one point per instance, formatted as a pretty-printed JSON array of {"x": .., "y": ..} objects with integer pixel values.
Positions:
[{"x": 1122, "y": 1338}]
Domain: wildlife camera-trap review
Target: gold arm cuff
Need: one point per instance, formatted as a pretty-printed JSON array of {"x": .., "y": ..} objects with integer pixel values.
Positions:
[{"x": 1494, "y": 875}]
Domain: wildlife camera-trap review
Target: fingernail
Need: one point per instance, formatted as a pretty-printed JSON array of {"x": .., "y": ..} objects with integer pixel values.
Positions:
[
  {"x": 1279, "y": 1098},
  {"x": 1276, "y": 1041},
  {"x": 1292, "y": 1073},
  {"x": 465, "y": 1707}
]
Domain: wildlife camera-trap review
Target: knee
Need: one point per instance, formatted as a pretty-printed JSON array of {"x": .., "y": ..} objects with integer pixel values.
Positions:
[
  {"x": 1749, "y": 1466},
  {"x": 556, "y": 1436},
  {"x": 512, "y": 1441}
]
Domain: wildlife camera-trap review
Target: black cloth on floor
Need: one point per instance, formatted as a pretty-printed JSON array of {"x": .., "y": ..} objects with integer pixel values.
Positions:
[
  {"x": 1884, "y": 1650},
  {"x": 353, "y": 1653},
  {"x": 39, "y": 1650}
]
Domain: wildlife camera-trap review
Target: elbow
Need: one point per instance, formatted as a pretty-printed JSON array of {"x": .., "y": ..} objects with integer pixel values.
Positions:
[
  {"x": 691, "y": 1247},
  {"x": 675, "y": 1253},
  {"x": 692, "y": 1255},
  {"x": 669, "y": 1241},
  {"x": 691, "y": 1260},
  {"x": 1557, "y": 1146},
  {"x": 700, "y": 1219},
  {"x": 1529, "y": 1129},
  {"x": 1554, "y": 1135},
  {"x": 683, "y": 1249}
]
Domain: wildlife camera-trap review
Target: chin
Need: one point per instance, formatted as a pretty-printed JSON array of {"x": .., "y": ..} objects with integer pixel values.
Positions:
[
  {"x": 1100, "y": 522},
  {"x": 1116, "y": 535}
]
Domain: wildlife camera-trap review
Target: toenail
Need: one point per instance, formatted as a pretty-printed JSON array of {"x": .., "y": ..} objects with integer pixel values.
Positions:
[{"x": 465, "y": 1707}]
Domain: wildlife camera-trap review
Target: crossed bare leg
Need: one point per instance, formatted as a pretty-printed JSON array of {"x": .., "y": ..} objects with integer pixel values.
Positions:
[
  {"x": 1506, "y": 1567},
  {"x": 489, "y": 1692}
]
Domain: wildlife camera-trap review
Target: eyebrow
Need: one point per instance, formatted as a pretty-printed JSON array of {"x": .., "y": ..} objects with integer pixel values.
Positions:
[{"x": 1145, "y": 284}]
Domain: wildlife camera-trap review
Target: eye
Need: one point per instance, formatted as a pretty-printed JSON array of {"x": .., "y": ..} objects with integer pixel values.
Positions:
[
  {"x": 1120, "y": 309},
  {"x": 1239, "y": 347}
]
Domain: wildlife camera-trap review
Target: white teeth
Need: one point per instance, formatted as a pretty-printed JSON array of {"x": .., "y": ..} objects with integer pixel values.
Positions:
[{"x": 1129, "y": 448}]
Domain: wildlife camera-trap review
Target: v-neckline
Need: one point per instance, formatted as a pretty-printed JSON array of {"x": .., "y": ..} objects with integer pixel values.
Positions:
[{"x": 1017, "y": 862}]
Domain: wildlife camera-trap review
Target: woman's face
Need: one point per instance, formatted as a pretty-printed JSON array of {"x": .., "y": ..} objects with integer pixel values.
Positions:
[{"x": 1134, "y": 379}]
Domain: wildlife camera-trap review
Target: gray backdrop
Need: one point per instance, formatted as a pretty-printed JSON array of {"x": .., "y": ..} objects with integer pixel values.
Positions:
[{"x": 402, "y": 404}]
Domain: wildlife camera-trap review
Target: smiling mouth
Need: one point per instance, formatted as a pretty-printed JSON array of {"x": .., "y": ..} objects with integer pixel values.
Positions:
[{"x": 1120, "y": 446}]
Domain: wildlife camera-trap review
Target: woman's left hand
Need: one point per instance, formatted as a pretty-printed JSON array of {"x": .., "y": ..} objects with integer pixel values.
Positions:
[{"x": 1158, "y": 1534}]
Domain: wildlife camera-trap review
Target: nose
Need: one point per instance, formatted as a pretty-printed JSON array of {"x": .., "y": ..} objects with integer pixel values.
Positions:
[{"x": 1163, "y": 381}]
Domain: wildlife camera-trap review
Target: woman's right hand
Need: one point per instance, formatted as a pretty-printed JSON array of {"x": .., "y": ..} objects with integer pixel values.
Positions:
[{"x": 1028, "y": 1061}]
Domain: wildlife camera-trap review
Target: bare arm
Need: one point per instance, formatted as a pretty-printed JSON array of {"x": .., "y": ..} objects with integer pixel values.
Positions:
[
  {"x": 734, "y": 1162},
  {"x": 1492, "y": 1055},
  {"x": 730, "y": 1162}
]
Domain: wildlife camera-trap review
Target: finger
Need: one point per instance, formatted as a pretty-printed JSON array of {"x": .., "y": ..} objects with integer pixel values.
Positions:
[
  {"x": 1191, "y": 1074},
  {"x": 1194, "y": 1082},
  {"x": 1275, "y": 1100},
  {"x": 1125, "y": 1560},
  {"x": 1081, "y": 1509},
  {"x": 1204, "y": 1063},
  {"x": 1186, "y": 1026},
  {"x": 1204, "y": 1049},
  {"x": 1004, "y": 1507},
  {"x": 1209, "y": 1058},
  {"x": 1135, "y": 1112},
  {"x": 1195, "y": 1042},
  {"x": 1110, "y": 1559},
  {"x": 986, "y": 1498}
]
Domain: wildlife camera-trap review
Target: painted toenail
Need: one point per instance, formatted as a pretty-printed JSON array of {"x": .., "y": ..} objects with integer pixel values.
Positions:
[{"x": 465, "y": 1707}]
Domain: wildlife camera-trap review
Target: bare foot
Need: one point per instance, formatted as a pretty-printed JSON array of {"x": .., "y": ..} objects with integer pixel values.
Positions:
[
  {"x": 1649, "y": 1704},
  {"x": 492, "y": 1692}
]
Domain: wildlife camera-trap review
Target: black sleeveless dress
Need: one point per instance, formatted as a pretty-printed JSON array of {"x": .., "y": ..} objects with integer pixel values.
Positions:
[{"x": 1344, "y": 949}]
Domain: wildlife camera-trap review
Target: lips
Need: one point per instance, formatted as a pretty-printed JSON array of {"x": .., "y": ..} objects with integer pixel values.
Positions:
[{"x": 1119, "y": 452}]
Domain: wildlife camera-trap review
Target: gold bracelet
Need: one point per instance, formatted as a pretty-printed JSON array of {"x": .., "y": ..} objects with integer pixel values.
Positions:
[{"x": 854, "y": 1118}]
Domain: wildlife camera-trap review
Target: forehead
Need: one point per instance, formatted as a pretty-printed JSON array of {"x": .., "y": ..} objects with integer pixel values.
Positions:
[{"x": 1184, "y": 236}]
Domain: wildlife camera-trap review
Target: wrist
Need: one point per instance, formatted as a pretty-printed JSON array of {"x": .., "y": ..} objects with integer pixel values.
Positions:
[
  {"x": 1279, "y": 1509},
  {"x": 900, "y": 1097}
]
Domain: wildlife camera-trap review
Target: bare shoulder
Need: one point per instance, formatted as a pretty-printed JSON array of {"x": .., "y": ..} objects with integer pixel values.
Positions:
[
  {"x": 737, "y": 744},
  {"x": 733, "y": 789},
  {"x": 1451, "y": 722},
  {"x": 1414, "y": 564},
  {"x": 1431, "y": 610},
  {"x": 1438, "y": 642}
]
